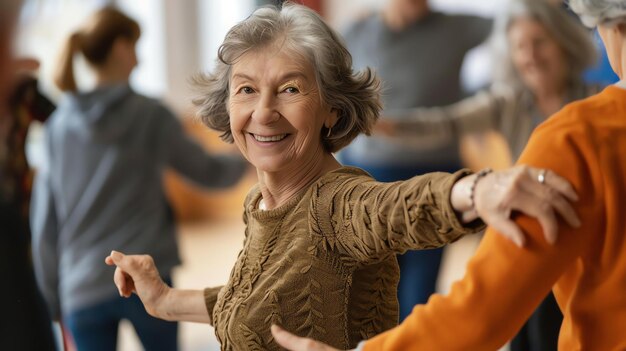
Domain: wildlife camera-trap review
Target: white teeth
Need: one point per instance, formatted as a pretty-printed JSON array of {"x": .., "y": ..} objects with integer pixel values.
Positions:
[{"x": 270, "y": 138}]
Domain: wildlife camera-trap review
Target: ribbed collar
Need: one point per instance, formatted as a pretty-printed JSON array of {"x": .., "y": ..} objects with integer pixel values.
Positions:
[{"x": 253, "y": 209}]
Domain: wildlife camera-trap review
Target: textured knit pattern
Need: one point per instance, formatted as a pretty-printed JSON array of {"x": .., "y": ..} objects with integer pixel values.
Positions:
[
  {"x": 586, "y": 143},
  {"x": 323, "y": 265}
]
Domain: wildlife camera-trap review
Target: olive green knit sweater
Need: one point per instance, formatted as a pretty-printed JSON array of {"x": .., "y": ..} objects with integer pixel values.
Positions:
[{"x": 323, "y": 265}]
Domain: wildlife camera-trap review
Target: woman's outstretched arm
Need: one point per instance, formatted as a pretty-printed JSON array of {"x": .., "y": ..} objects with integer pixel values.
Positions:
[
  {"x": 138, "y": 274},
  {"x": 372, "y": 220}
]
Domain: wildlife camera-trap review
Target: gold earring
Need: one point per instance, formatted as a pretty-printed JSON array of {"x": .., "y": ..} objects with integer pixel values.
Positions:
[{"x": 329, "y": 130}]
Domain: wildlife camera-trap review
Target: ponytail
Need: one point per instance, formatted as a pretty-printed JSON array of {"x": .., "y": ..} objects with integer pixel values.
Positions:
[
  {"x": 64, "y": 77},
  {"x": 95, "y": 41}
]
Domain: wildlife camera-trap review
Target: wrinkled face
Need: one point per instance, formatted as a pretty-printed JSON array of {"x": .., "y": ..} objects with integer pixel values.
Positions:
[
  {"x": 537, "y": 57},
  {"x": 276, "y": 114}
]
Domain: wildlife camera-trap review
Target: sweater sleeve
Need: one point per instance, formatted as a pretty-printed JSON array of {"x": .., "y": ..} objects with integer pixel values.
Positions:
[
  {"x": 210, "y": 298},
  {"x": 189, "y": 159},
  {"x": 44, "y": 228},
  {"x": 476, "y": 113},
  {"x": 371, "y": 220},
  {"x": 503, "y": 283}
]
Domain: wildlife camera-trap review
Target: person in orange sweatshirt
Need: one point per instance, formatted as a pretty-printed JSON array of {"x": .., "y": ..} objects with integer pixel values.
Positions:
[{"x": 586, "y": 142}]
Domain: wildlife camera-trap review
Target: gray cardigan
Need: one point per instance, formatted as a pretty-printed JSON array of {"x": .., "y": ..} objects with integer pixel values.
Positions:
[{"x": 102, "y": 189}]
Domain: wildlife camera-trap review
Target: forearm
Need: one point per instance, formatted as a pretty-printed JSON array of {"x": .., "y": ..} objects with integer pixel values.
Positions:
[
  {"x": 184, "y": 306},
  {"x": 400, "y": 216},
  {"x": 528, "y": 274},
  {"x": 420, "y": 209},
  {"x": 473, "y": 114}
]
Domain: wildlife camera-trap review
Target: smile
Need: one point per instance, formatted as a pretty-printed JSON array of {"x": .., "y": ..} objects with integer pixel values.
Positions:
[{"x": 271, "y": 138}]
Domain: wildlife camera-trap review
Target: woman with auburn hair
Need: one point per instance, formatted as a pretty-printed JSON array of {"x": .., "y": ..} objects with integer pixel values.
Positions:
[
  {"x": 321, "y": 239},
  {"x": 107, "y": 150},
  {"x": 586, "y": 269}
]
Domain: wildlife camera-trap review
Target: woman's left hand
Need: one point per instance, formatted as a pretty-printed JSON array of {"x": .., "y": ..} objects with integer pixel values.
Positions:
[
  {"x": 295, "y": 343},
  {"x": 535, "y": 192}
]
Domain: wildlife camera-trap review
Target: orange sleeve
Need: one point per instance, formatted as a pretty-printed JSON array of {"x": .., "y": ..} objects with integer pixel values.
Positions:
[{"x": 503, "y": 283}]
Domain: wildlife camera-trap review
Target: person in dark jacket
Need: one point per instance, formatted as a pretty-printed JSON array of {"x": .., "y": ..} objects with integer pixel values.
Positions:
[{"x": 25, "y": 324}]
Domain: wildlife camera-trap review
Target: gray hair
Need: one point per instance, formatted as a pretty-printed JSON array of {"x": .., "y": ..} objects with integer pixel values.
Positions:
[
  {"x": 575, "y": 41},
  {"x": 595, "y": 12},
  {"x": 354, "y": 95}
]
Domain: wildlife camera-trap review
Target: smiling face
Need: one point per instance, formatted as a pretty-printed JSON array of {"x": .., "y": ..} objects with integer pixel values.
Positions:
[
  {"x": 276, "y": 114},
  {"x": 537, "y": 57}
]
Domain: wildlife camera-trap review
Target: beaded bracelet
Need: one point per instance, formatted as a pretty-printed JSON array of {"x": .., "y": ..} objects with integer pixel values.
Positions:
[{"x": 479, "y": 175}]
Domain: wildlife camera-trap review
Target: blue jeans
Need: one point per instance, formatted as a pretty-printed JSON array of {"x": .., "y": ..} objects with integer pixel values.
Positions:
[
  {"x": 418, "y": 269},
  {"x": 95, "y": 328}
]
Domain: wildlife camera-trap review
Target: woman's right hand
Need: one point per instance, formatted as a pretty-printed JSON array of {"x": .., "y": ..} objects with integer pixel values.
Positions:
[
  {"x": 538, "y": 193},
  {"x": 138, "y": 274}
]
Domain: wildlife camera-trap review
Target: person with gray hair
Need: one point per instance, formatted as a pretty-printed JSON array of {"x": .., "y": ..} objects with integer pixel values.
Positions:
[
  {"x": 321, "y": 239},
  {"x": 586, "y": 141},
  {"x": 541, "y": 52},
  {"x": 595, "y": 13},
  {"x": 418, "y": 53}
]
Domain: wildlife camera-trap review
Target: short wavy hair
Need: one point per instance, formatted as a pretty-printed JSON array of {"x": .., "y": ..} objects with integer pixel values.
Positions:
[
  {"x": 599, "y": 12},
  {"x": 575, "y": 41},
  {"x": 354, "y": 95}
]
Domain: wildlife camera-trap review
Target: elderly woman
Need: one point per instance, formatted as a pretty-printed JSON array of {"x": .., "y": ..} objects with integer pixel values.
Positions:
[
  {"x": 319, "y": 254},
  {"x": 542, "y": 52},
  {"x": 586, "y": 141}
]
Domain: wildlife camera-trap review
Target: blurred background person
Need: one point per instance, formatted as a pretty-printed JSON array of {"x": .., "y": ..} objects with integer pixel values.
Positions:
[
  {"x": 102, "y": 187},
  {"x": 418, "y": 54},
  {"x": 542, "y": 54},
  {"x": 25, "y": 325}
]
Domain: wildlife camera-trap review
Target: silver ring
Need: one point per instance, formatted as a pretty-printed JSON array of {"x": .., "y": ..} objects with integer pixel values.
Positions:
[{"x": 542, "y": 176}]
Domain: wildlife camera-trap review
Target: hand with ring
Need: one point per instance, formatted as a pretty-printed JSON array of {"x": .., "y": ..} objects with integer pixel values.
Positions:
[
  {"x": 538, "y": 193},
  {"x": 542, "y": 176}
]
